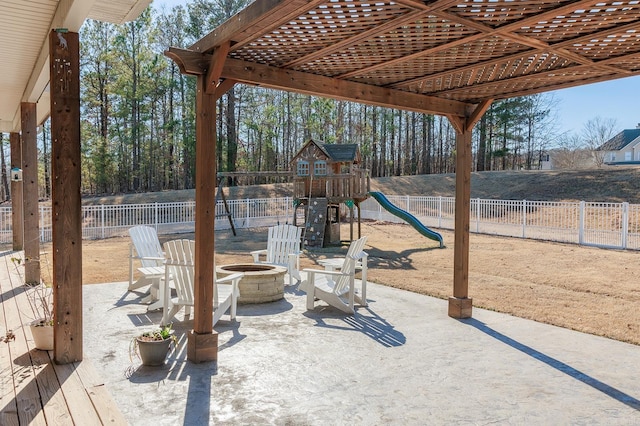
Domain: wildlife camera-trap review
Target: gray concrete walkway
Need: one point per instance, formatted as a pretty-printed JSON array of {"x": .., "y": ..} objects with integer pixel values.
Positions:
[{"x": 401, "y": 361}]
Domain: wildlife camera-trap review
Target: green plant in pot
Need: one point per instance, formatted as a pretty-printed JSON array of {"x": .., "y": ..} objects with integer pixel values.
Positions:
[{"x": 153, "y": 347}]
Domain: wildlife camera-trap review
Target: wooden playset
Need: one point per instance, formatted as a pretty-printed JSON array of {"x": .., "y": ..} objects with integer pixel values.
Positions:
[{"x": 326, "y": 175}]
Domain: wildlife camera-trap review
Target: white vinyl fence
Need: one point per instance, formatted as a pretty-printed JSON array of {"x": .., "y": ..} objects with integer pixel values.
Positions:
[{"x": 610, "y": 225}]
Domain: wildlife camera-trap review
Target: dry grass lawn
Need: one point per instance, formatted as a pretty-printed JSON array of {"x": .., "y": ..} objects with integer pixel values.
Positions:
[{"x": 583, "y": 288}]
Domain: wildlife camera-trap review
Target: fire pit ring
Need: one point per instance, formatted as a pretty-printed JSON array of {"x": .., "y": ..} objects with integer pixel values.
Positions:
[{"x": 261, "y": 283}]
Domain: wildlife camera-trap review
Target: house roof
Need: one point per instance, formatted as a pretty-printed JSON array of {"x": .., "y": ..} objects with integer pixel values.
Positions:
[
  {"x": 448, "y": 57},
  {"x": 24, "y": 48},
  {"x": 620, "y": 140},
  {"x": 341, "y": 153}
]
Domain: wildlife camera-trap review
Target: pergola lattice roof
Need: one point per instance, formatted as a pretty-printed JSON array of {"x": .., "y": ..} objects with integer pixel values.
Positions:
[{"x": 448, "y": 50}]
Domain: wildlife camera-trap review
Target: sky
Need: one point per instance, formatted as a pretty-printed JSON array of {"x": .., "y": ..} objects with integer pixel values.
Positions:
[{"x": 617, "y": 99}]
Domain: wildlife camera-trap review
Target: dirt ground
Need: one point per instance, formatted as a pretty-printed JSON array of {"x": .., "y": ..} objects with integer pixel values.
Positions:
[{"x": 583, "y": 288}]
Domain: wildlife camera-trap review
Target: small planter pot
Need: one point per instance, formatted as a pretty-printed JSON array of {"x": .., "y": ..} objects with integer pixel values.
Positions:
[
  {"x": 153, "y": 352},
  {"x": 42, "y": 335}
]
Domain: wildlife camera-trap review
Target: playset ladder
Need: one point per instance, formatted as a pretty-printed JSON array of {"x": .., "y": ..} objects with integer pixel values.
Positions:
[{"x": 316, "y": 222}]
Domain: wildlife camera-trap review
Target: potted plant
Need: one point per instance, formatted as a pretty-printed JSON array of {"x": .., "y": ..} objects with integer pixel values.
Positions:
[
  {"x": 40, "y": 297},
  {"x": 153, "y": 347},
  {"x": 41, "y": 300}
]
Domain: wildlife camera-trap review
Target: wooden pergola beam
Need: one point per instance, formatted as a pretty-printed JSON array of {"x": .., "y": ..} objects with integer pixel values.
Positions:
[
  {"x": 216, "y": 63},
  {"x": 477, "y": 114},
  {"x": 316, "y": 85},
  {"x": 460, "y": 305},
  {"x": 188, "y": 61},
  {"x": 202, "y": 344},
  {"x": 223, "y": 87},
  {"x": 194, "y": 63}
]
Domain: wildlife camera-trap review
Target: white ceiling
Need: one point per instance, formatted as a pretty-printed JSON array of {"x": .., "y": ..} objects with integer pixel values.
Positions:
[{"x": 24, "y": 62}]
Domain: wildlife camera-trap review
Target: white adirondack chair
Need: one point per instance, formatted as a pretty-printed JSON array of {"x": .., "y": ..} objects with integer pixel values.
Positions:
[
  {"x": 356, "y": 251},
  {"x": 283, "y": 249},
  {"x": 180, "y": 270},
  {"x": 145, "y": 247},
  {"x": 337, "y": 288}
]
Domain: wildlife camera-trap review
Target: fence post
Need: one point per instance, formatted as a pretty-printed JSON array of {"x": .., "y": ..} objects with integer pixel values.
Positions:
[
  {"x": 581, "y": 223},
  {"x": 287, "y": 201},
  {"x": 246, "y": 222},
  {"x": 155, "y": 215},
  {"x": 440, "y": 211},
  {"x": 625, "y": 224},
  {"x": 524, "y": 218},
  {"x": 477, "y": 203},
  {"x": 41, "y": 224},
  {"x": 102, "y": 220}
]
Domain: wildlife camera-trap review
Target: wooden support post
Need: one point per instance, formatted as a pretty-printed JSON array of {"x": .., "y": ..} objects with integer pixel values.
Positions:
[
  {"x": 203, "y": 340},
  {"x": 460, "y": 305},
  {"x": 359, "y": 221},
  {"x": 351, "y": 222},
  {"x": 65, "y": 191},
  {"x": 17, "y": 217},
  {"x": 30, "y": 192}
]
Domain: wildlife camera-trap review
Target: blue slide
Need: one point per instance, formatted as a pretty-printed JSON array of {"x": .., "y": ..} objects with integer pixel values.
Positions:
[{"x": 407, "y": 217}]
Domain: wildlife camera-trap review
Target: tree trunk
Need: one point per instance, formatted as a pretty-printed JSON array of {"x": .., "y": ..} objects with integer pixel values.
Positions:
[
  {"x": 232, "y": 136},
  {"x": 482, "y": 144}
]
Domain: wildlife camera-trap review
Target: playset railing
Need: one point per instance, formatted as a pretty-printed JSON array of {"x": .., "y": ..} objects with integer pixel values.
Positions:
[{"x": 340, "y": 186}]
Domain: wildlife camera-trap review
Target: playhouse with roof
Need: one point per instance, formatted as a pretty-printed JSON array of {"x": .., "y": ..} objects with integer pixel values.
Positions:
[{"x": 326, "y": 175}]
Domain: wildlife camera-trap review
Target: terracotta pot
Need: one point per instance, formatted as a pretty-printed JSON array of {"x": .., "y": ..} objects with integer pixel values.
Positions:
[
  {"x": 153, "y": 352},
  {"x": 42, "y": 335}
]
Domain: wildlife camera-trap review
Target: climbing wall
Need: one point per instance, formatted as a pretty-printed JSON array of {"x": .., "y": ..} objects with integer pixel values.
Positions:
[{"x": 316, "y": 222}]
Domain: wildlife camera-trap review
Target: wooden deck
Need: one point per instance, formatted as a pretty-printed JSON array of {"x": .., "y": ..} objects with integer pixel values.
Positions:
[{"x": 33, "y": 389}]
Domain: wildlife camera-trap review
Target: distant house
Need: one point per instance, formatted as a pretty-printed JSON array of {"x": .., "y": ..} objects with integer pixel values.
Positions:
[
  {"x": 623, "y": 148},
  {"x": 545, "y": 159}
]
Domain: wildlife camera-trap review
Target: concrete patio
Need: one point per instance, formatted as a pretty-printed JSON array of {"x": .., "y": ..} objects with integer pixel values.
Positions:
[{"x": 401, "y": 360}]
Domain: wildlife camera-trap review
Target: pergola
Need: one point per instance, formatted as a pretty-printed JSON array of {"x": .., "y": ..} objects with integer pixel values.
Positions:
[
  {"x": 446, "y": 57},
  {"x": 452, "y": 58}
]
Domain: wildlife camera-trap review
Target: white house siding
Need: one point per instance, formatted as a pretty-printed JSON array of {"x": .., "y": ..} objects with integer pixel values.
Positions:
[
  {"x": 631, "y": 152},
  {"x": 635, "y": 146},
  {"x": 625, "y": 154}
]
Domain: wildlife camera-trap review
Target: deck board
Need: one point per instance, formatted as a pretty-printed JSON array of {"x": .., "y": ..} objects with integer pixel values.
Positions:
[
  {"x": 34, "y": 390},
  {"x": 27, "y": 397},
  {"x": 55, "y": 405},
  {"x": 8, "y": 408},
  {"x": 80, "y": 405}
]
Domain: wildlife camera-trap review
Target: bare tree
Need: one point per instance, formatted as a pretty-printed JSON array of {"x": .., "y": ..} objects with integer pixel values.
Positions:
[
  {"x": 595, "y": 133},
  {"x": 571, "y": 152}
]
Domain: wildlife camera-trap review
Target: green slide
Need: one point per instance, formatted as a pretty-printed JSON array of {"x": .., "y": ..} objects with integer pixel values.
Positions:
[{"x": 407, "y": 217}]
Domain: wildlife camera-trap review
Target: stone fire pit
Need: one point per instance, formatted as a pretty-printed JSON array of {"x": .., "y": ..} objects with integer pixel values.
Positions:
[{"x": 261, "y": 283}]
